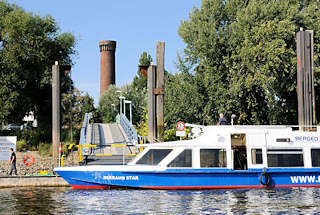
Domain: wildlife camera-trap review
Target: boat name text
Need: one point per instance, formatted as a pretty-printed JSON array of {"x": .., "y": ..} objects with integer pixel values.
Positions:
[
  {"x": 306, "y": 138},
  {"x": 121, "y": 178}
]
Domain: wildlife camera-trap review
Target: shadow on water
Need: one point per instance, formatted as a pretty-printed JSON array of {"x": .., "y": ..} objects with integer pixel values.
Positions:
[{"x": 240, "y": 201}]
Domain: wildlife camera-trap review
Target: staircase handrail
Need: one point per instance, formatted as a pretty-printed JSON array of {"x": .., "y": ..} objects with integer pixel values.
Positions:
[
  {"x": 128, "y": 128},
  {"x": 83, "y": 132}
]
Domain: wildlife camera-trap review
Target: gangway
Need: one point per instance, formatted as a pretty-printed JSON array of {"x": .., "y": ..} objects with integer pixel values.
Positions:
[{"x": 111, "y": 143}]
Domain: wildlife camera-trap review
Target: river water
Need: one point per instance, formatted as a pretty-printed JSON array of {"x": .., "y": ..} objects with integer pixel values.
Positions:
[{"x": 241, "y": 201}]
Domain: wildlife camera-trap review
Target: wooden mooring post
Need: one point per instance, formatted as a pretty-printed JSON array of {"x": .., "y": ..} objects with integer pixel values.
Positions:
[
  {"x": 56, "y": 106},
  {"x": 159, "y": 91},
  {"x": 305, "y": 80},
  {"x": 156, "y": 96}
]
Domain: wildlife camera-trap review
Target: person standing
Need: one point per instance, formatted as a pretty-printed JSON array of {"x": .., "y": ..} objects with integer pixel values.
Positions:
[
  {"x": 222, "y": 120},
  {"x": 13, "y": 160}
]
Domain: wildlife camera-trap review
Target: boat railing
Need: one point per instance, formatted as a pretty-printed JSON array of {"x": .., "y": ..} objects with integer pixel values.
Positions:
[
  {"x": 304, "y": 128},
  {"x": 155, "y": 140},
  {"x": 277, "y": 126}
]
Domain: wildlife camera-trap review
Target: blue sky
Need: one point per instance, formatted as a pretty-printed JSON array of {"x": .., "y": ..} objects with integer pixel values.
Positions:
[{"x": 136, "y": 25}]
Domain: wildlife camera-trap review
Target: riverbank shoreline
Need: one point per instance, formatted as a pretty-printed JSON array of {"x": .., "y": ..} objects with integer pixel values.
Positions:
[
  {"x": 39, "y": 174},
  {"x": 42, "y": 164},
  {"x": 32, "y": 181}
]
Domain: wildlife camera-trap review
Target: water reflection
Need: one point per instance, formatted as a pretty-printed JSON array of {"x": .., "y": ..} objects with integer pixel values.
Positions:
[
  {"x": 67, "y": 201},
  {"x": 28, "y": 200}
]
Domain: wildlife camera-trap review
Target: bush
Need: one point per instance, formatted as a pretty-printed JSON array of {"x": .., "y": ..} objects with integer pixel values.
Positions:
[
  {"x": 22, "y": 146},
  {"x": 65, "y": 150},
  {"x": 34, "y": 137},
  {"x": 170, "y": 134},
  {"x": 45, "y": 149}
]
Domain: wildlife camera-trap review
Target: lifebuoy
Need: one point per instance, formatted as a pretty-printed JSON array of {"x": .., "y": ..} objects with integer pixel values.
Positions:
[
  {"x": 264, "y": 178},
  {"x": 28, "y": 160}
]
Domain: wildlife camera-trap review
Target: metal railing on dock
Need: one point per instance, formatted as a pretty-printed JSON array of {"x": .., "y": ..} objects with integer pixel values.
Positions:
[{"x": 93, "y": 139}]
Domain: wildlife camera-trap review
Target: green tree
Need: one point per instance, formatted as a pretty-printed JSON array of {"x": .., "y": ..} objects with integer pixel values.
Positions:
[
  {"x": 145, "y": 59},
  {"x": 109, "y": 105},
  {"x": 74, "y": 105},
  {"x": 139, "y": 102},
  {"x": 140, "y": 80},
  {"x": 183, "y": 99},
  {"x": 242, "y": 54},
  {"x": 29, "y": 46},
  {"x": 136, "y": 92}
]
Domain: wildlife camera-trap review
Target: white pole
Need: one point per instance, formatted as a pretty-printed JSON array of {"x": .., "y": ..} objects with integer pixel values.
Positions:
[
  {"x": 130, "y": 113},
  {"x": 124, "y": 108},
  {"x": 60, "y": 150},
  {"x": 121, "y": 97}
]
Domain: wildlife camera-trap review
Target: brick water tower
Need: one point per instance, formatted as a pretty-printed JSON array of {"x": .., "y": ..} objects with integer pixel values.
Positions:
[{"x": 107, "y": 64}]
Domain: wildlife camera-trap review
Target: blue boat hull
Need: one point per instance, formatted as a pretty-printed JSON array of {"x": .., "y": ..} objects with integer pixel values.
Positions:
[{"x": 193, "y": 178}]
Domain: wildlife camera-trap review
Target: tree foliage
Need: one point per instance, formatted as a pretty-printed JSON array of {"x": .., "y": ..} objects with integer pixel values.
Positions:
[
  {"x": 136, "y": 92},
  {"x": 145, "y": 59},
  {"x": 29, "y": 46},
  {"x": 109, "y": 105},
  {"x": 183, "y": 99},
  {"x": 73, "y": 106},
  {"x": 241, "y": 55},
  {"x": 140, "y": 80}
]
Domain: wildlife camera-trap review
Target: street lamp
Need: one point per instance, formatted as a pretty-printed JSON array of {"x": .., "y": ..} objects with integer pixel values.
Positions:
[
  {"x": 121, "y": 97},
  {"x": 128, "y": 102},
  {"x": 114, "y": 106},
  {"x": 232, "y": 117}
]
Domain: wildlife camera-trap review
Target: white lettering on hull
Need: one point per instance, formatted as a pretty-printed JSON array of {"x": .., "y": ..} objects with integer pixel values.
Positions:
[
  {"x": 121, "y": 178},
  {"x": 305, "y": 179}
]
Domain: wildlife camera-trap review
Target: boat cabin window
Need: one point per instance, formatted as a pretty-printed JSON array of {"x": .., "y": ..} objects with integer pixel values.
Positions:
[
  {"x": 256, "y": 156},
  {"x": 154, "y": 156},
  {"x": 285, "y": 157},
  {"x": 213, "y": 158},
  {"x": 184, "y": 159},
  {"x": 315, "y": 157}
]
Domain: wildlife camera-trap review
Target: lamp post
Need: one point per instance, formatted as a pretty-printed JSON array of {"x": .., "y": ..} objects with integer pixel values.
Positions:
[
  {"x": 232, "y": 117},
  {"x": 121, "y": 97},
  {"x": 114, "y": 108},
  {"x": 128, "y": 102}
]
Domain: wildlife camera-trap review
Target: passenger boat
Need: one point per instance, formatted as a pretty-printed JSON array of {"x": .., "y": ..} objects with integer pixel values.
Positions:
[{"x": 220, "y": 157}]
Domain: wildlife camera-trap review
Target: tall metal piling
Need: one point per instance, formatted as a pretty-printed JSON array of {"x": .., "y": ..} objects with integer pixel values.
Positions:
[{"x": 55, "y": 113}]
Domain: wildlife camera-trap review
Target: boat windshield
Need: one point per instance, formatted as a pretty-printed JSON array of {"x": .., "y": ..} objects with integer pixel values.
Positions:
[{"x": 154, "y": 156}]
